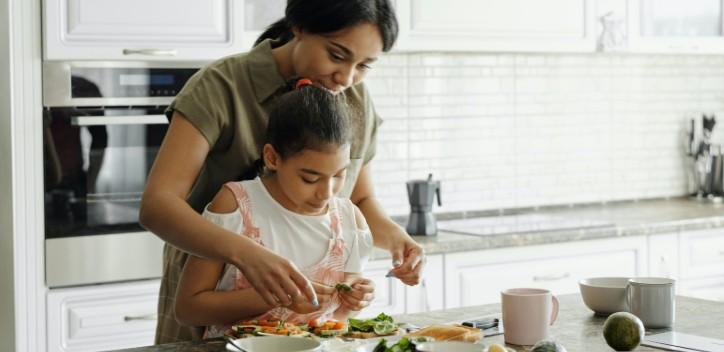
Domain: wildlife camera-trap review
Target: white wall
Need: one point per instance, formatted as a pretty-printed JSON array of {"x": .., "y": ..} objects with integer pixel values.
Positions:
[
  {"x": 7, "y": 299},
  {"x": 517, "y": 130}
]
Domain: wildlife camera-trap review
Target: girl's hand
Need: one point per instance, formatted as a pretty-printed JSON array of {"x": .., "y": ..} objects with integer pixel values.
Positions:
[
  {"x": 277, "y": 280},
  {"x": 360, "y": 296},
  {"x": 408, "y": 257},
  {"x": 324, "y": 295}
]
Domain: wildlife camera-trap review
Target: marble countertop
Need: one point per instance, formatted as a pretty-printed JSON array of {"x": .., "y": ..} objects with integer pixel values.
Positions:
[
  {"x": 576, "y": 327},
  {"x": 626, "y": 218}
]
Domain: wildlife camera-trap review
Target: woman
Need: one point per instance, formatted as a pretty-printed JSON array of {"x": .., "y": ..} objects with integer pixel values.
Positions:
[{"x": 217, "y": 130}]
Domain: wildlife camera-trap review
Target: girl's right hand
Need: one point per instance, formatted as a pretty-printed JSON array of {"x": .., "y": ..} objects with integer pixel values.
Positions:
[{"x": 277, "y": 280}]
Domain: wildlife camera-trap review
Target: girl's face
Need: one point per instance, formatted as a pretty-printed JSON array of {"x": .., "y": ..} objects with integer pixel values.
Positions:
[
  {"x": 307, "y": 180},
  {"x": 336, "y": 60}
]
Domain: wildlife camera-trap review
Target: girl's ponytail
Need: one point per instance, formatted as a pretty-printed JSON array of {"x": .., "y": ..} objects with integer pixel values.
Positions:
[{"x": 280, "y": 30}]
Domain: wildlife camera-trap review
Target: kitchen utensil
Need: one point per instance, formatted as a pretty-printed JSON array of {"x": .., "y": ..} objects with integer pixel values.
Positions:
[
  {"x": 421, "y": 194},
  {"x": 604, "y": 295},
  {"x": 274, "y": 344},
  {"x": 652, "y": 299},
  {"x": 528, "y": 314}
]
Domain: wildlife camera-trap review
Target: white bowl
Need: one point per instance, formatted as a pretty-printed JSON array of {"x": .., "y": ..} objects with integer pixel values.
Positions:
[
  {"x": 604, "y": 295},
  {"x": 450, "y": 346},
  {"x": 276, "y": 344}
]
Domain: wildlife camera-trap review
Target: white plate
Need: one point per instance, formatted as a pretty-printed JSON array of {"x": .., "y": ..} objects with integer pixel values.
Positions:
[{"x": 276, "y": 344}]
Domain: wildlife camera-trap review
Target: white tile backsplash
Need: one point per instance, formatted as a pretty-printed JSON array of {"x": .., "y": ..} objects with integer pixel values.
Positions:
[{"x": 518, "y": 130}]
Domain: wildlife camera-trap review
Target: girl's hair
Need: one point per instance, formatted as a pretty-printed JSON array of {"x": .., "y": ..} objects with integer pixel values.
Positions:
[
  {"x": 306, "y": 118},
  {"x": 327, "y": 16}
]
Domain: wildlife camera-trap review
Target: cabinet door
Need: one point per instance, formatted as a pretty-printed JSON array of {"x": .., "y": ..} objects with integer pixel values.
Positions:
[
  {"x": 664, "y": 255},
  {"x": 102, "y": 317},
  {"x": 142, "y": 30},
  {"x": 488, "y": 25},
  {"x": 474, "y": 278},
  {"x": 674, "y": 26},
  {"x": 702, "y": 254},
  {"x": 429, "y": 294},
  {"x": 389, "y": 292}
]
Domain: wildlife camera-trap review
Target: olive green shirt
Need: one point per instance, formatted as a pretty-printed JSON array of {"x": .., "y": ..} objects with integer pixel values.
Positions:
[{"x": 229, "y": 102}]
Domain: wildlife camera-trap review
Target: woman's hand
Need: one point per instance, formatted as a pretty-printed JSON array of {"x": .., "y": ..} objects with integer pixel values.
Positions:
[
  {"x": 276, "y": 278},
  {"x": 360, "y": 296},
  {"x": 302, "y": 306},
  {"x": 408, "y": 257}
]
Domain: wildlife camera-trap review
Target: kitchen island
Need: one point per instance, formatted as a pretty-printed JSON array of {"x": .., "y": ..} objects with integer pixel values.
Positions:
[{"x": 576, "y": 328}]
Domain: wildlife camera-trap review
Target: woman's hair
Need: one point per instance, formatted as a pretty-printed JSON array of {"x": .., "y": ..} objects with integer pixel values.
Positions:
[
  {"x": 307, "y": 118},
  {"x": 327, "y": 16}
]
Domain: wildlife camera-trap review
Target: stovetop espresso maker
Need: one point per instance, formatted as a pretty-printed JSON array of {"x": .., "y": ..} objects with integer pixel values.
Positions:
[{"x": 421, "y": 194}]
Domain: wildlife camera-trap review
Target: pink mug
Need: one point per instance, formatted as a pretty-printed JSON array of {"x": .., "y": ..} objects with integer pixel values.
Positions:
[{"x": 528, "y": 314}]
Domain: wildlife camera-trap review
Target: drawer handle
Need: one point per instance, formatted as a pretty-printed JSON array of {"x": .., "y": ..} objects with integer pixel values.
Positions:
[
  {"x": 551, "y": 277},
  {"x": 140, "y": 317},
  {"x": 150, "y": 52}
]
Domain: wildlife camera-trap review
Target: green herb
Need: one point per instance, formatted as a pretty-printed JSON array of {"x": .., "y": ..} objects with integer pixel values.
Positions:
[
  {"x": 342, "y": 287},
  {"x": 369, "y": 324}
]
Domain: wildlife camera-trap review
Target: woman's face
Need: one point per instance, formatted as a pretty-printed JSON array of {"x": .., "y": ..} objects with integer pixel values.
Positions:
[
  {"x": 336, "y": 60},
  {"x": 308, "y": 180}
]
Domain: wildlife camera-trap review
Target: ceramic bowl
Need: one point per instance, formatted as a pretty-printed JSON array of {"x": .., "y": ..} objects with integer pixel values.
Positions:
[
  {"x": 276, "y": 344},
  {"x": 604, "y": 295}
]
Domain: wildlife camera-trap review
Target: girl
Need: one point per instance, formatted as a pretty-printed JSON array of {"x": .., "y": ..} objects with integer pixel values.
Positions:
[
  {"x": 292, "y": 210},
  {"x": 216, "y": 129}
]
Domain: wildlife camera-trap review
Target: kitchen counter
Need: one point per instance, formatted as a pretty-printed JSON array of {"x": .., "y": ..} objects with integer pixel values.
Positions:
[
  {"x": 625, "y": 218},
  {"x": 576, "y": 328}
]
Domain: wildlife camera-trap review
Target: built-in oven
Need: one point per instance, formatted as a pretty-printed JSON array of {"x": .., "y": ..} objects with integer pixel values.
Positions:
[{"x": 103, "y": 125}]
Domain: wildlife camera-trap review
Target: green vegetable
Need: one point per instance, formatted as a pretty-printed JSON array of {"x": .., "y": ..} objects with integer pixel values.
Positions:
[
  {"x": 548, "y": 346},
  {"x": 342, "y": 287},
  {"x": 404, "y": 345},
  {"x": 623, "y": 331},
  {"x": 369, "y": 324},
  {"x": 384, "y": 327}
]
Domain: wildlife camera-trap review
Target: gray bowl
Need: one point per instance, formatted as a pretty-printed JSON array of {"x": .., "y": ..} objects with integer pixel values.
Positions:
[{"x": 604, "y": 295}]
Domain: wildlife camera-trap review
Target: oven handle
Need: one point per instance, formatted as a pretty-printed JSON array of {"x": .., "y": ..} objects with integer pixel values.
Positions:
[
  {"x": 150, "y": 52},
  {"x": 118, "y": 120}
]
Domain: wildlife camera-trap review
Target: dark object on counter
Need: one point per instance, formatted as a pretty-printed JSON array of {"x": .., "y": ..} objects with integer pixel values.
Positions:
[{"x": 421, "y": 194}]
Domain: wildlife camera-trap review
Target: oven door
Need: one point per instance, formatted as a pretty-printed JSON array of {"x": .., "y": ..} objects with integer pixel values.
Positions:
[{"x": 96, "y": 164}]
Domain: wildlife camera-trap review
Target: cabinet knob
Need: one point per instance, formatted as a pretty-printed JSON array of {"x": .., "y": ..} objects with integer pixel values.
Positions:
[
  {"x": 150, "y": 52},
  {"x": 140, "y": 317},
  {"x": 551, "y": 277}
]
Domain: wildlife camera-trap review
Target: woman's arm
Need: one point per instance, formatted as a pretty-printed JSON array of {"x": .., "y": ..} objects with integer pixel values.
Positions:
[
  {"x": 408, "y": 257},
  {"x": 165, "y": 212},
  {"x": 198, "y": 304}
]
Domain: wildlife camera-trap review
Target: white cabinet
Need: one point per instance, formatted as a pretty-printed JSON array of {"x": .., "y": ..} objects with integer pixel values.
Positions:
[
  {"x": 153, "y": 30},
  {"x": 674, "y": 26},
  {"x": 389, "y": 291},
  {"x": 477, "y": 277},
  {"x": 488, "y": 25},
  {"x": 429, "y": 294},
  {"x": 702, "y": 254},
  {"x": 664, "y": 255},
  {"x": 102, "y": 317}
]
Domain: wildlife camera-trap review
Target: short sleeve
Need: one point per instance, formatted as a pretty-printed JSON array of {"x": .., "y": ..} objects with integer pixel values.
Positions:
[
  {"x": 376, "y": 123},
  {"x": 229, "y": 221},
  {"x": 205, "y": 101}
]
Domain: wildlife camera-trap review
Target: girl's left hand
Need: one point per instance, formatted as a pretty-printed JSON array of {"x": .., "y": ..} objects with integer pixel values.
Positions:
[{"x": 360, "y": 296}]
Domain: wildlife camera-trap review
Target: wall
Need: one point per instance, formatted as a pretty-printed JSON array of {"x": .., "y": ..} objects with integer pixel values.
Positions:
[{"x": 519, "y": 130}]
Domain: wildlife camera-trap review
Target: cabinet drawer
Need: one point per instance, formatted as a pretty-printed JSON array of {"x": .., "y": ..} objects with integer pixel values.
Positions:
[
  {"x": 474, "y": 278},
  {"x": 702, "y": 253},
  {"x": 102, "y": 318}
]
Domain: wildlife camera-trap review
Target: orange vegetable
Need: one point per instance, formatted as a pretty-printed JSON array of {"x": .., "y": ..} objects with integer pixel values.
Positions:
[{"x": 339, "y": 325}]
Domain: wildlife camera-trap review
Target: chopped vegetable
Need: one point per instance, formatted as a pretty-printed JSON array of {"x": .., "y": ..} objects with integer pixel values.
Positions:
[
  {"x": 369, "y": 324},
  {"x": 342, "y": 287}
]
